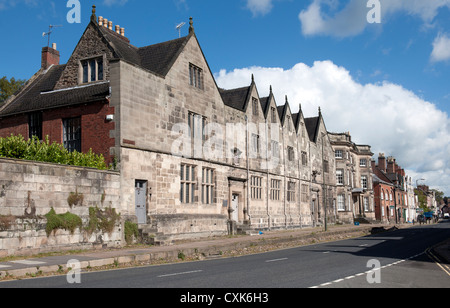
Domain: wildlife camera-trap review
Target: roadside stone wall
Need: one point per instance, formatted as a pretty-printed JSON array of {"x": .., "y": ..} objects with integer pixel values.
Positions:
[{"x": 30, "y": 190}]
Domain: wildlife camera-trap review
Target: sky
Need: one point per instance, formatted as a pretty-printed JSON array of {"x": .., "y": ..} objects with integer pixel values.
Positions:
[{"x": 379, "y": 69}]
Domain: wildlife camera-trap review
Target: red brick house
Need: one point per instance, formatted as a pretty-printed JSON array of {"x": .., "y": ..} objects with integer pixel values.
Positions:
[
  {"x": 389, "y": 190},
  {"x": 76, "y": 115}
]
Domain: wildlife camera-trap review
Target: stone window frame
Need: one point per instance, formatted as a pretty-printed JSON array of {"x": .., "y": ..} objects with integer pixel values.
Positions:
[
  {"x": 304, "y": 193},
  {"x": 275, "y": 189},
  {"x": 364, "y": 181},
  {"x": 187, "y": 184},
  {"x": 341, "y": 203},
  {"x": 255, "y": 109},
  {"x": 208, "y": 185},
  {"x": 363, "y": 162},
  {"x": 88, "y": 61},
  {"x": 291, "y": 153},
  {"x": 304, "y": 158},
  {"x": 256, "y": 187},
  {"x": 196, "y": 78},
  {"x": 339, "y": 176},
  {"x": 291, "y": 191}
]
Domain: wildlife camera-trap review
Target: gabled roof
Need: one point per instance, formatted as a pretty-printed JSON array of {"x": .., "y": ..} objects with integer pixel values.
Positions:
[
  {"x": 312, "y": 127},
  {"x": 236, "y": 98},
  {"x": 376, "y": 179},
  {"x": 40, "y": 94},
  {"x": 157, "y": 58}
]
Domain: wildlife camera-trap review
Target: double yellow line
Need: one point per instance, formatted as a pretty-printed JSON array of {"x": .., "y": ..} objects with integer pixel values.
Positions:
[{"x": 438, "y": 261}]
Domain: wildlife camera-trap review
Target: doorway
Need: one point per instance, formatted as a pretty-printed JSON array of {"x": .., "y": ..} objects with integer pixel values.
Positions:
[
  {"x": 235, "y": 207},
  {"x": 141, "y": 201}
]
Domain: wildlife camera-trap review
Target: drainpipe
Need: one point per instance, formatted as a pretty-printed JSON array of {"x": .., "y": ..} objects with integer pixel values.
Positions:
[
  {"x": 267, "y": 167},
  {"x": 299, "y": 178},
  {"x": 248, "y": 172}
]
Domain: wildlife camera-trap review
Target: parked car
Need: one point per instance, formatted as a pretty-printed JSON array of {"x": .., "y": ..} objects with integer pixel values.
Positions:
[
  {"x": 421, "y": 219},
  {"x": 446, "y": 215}
]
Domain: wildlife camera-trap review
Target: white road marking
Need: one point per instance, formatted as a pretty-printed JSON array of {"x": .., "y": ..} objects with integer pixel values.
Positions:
[
  {"x": 276, "y": 260},
  {"x": 177, "y": 274}
]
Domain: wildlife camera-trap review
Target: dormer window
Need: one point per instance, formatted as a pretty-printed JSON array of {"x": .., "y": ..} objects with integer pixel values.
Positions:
[{"x": 92, "y": 70}]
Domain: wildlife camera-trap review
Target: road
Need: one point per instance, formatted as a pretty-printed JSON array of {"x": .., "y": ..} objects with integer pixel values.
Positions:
[{"x": 400, "y": 256}]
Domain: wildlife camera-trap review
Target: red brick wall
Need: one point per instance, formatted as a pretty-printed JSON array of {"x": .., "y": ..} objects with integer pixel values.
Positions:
[{"x": 95, "y": 129}]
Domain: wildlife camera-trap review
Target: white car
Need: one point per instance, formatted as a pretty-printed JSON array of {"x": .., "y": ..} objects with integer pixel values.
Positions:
[{"x": 446, "y": 215}]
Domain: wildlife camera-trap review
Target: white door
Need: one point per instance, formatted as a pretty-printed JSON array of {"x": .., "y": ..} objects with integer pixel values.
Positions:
[
  {"x": 141, "y": 201},
  {"x": 235, "y": 208}
]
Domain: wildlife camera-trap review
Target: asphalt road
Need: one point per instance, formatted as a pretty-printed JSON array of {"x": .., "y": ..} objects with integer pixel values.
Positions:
[{"x": 398, "y": 259}]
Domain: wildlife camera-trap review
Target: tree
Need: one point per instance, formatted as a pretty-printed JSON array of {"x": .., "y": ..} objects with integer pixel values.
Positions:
[
  {"x": 439, "y": 195},
  {"x": 9, "y": 87}
]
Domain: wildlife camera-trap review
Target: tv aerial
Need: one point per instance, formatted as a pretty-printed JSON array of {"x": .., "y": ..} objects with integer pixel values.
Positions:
[
  {"x": 178, "y": 27},
  {"x": 50, "y": 30}
]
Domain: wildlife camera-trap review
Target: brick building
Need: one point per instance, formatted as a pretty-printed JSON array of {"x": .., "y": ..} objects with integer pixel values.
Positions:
[
  {"x": 194, "y": 159},
  {"x": 391, "y": 178}
]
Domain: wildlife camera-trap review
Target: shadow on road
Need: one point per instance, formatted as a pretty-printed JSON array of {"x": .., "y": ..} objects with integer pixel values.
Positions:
[{"x": 395, "y": 243}]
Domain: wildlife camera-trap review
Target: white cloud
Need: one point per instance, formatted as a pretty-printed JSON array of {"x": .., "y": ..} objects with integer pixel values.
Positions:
[
  {"x": 441, "y": 48},
  {"x": 390, "y": 118},
  {"x": 259, "y": 7},
  {"x": 322, "y": 18}
]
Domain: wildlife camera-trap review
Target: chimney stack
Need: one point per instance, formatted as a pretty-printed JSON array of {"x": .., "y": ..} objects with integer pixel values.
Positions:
[
  {"x": 100, "y": 21},
  {"x": 382, "y": 162},
  {"x": 391, "y": 165},
  {"x": 50, "y": 56}
]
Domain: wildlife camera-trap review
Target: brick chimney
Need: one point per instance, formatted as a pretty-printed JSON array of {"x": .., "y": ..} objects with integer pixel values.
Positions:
[
  {"x": 382, "y": 162},
  {"x": 391, "y": 165},
  {"x": 50, "y": 56}
]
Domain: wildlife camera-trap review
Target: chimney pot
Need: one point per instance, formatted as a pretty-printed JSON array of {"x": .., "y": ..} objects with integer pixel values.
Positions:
[
  {"x": 100, "y": 21},
  {"x": 110, "y": 25},
  {"x": 122, "y": 31},
  {"x": 54, "y": 46},
  {"x": 105, "y": 22},
  {"x": 117, "y": 29}
]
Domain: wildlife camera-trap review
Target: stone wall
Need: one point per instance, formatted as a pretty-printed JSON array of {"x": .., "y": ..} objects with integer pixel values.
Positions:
[{"x": 30, "y": 190}]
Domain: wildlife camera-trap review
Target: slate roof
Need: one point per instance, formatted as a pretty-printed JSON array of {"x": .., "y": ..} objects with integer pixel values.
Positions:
[
  {"x": 39, "y": 95},
  {"x": 236, "y": 98},
  {"x": 157, "y": 58},
  {"x": 312, "y": 126}
]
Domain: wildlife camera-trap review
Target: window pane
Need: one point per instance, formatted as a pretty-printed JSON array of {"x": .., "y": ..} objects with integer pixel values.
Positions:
[
  {"x": 85, "y": 72},
  {"x": 100, "y": 69},
  {"x": 92, "y": 65}
]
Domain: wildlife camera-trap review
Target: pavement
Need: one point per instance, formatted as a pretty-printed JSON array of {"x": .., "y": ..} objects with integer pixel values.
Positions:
[{"x": 201, "y": 249}]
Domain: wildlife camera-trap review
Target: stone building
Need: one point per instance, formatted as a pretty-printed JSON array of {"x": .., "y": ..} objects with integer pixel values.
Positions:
[
  {"x": 194, "y": 159},
  {"x": 355, "y": 196}
]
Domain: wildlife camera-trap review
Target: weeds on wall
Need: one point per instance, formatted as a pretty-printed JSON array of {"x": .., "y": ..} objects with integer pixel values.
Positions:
[
  {"x": 44, "y": 151},
  {"x": 75, "y": 199},
  {"x": 67, "y": 221},
  {"x": 102, "y": 220},
  {"x": 131, "y": 231}
]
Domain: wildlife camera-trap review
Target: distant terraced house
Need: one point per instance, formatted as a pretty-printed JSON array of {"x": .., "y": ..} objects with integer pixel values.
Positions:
[{"x": 194, "y": 159}]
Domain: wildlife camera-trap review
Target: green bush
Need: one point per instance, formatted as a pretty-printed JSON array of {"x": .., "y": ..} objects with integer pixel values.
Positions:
[
  {"x": 67, "y": 221},
  {"x": 131, "y": 232},
  {"x": 102, "y": 220},
  {"x": 34, "y": 149}
]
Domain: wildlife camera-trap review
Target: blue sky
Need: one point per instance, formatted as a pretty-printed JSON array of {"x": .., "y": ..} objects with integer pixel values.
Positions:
[{"x": 386, "y": 83}]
